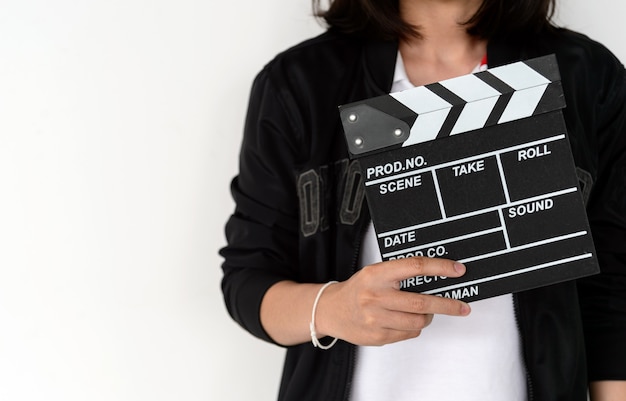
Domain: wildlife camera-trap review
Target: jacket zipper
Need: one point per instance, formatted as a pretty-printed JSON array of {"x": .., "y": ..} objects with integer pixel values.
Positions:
[
  {"x": 529, "y": 382},
  {"x": 352, "y": 352}
]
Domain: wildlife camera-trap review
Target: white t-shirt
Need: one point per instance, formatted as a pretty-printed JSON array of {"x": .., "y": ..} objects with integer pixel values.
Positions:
[{"x": 477, "y": 357}]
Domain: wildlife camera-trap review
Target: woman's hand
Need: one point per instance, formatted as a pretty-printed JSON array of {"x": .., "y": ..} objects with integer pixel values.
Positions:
[
  {"x": 367, "y": 309},
  {"x": 370, "y": 309}
]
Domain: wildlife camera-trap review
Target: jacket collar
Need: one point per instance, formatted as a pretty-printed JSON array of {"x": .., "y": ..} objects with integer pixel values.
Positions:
[
  {"x": 379, "y": 59},
  {"x": 507, "y": 51}
]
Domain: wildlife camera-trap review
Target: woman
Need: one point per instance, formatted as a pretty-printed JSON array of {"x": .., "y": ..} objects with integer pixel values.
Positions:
[{"x": 301, "y": 219}]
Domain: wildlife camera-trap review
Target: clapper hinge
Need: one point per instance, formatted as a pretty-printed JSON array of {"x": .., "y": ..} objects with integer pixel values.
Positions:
[{"x": 367, "y": 129}]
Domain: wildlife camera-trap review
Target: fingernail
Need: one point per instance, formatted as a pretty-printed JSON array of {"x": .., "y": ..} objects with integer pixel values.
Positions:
[
  {"x": 459, "y": 267},
  {"x": 465, "y": 309}
]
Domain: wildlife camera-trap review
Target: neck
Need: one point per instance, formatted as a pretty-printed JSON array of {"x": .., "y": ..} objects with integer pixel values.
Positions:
[{"x": 445, "y": 49}]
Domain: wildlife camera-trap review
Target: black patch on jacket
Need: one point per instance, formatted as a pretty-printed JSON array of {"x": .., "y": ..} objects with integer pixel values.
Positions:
[{"x": 340, "y": 184}]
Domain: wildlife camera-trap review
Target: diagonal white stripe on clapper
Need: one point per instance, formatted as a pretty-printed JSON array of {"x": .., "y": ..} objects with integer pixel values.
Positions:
[
  {"x": 481, "y": 99},
  {"x": 431, "y": 113},
  {"x": 470, "y": 88},
  {"x": 474, "y": 115},
  {"x": 421, "y": 100},
  {"x": 522, "y": 104},
  {"x": 519, "y": 76},
  {"x": 427, "y": 126}
]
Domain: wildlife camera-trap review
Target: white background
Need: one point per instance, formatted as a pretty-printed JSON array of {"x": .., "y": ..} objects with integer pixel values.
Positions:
[{"x": 120, "y": 123}]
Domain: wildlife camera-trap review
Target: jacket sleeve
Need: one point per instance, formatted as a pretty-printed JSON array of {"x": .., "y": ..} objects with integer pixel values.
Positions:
[
  {"x": 603, "y": 297},
  {"x": 262, "y": 235}
]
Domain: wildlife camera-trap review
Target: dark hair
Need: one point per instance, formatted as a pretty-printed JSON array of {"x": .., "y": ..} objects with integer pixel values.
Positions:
[{"x": 381, "y": 18}]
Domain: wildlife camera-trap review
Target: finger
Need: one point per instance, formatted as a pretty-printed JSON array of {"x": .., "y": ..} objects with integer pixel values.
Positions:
[
  {"x": 401, "y": 269},
  {"x": 388, "y": 336},
  {"x": 411, "y": 302},
  {"x": 405, "y": 321}
]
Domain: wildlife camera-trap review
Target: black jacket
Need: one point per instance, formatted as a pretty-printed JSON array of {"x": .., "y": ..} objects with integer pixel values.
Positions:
[{"x": 301, "y": 211}]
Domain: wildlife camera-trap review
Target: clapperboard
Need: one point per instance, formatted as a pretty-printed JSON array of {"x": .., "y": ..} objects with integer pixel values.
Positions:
[{"x": 477, "y": 169}]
